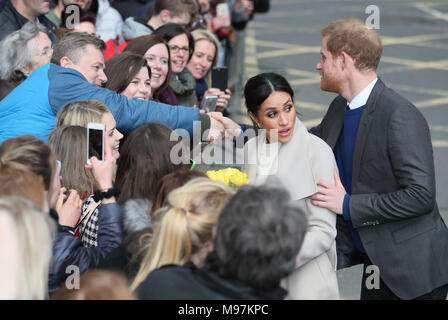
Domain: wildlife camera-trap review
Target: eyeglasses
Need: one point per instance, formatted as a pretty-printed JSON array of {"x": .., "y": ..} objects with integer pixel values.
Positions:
[
  {"x": 175, "y": 49},
  {"x": 48, "y": 51}
]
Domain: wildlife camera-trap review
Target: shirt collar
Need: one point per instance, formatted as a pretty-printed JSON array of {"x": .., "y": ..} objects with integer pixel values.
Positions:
[{"x": 361, "y": 98}]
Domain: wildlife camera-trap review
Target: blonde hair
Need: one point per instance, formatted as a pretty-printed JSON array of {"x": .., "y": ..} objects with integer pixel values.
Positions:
[
  {"x": 22, "y": 183},
  {"x": 184, "y": 226},
  {"x": 202, "y": 34},
  {"x": 33, "y": 231},
  {"x": 80, "y": 113},
  {"x": 69, "y": 144},
  {"x": 29, "y": 153}
]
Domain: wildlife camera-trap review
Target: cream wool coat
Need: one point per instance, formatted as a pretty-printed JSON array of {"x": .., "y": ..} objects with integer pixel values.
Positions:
[{"x": 298, "y": 164}]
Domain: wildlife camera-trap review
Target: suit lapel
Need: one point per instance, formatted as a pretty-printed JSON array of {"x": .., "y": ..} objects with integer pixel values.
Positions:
[
  {"x": 364, "y": 128},
  {"x": 337, "y": 122}
]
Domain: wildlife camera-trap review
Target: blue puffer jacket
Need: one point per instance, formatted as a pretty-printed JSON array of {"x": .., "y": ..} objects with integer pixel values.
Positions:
[
  {"x": 31, "y": 108},
  {"x": 68, "y": 250}
]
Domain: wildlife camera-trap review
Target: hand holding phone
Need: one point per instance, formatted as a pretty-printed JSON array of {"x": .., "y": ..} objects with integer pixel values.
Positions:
[
  {"x": 95, "y": 141},
  {"x": 222, "y": 9},
  {"x": 219, "y": 78},
  {"x": 209, "y": 103}
]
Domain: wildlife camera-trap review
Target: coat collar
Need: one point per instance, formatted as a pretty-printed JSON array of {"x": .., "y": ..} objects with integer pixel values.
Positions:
[{"x": 291, "y": 167}]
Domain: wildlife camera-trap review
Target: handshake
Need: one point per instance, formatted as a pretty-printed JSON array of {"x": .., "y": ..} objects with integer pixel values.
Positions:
[{"x": 222, "y": 127}]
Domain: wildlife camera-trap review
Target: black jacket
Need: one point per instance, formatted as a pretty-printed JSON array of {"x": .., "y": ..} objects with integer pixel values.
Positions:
[
  {"x": 11, "y": 20},
  {"x": 68, "y": 250},
  {"x": 173, "y": 282}
]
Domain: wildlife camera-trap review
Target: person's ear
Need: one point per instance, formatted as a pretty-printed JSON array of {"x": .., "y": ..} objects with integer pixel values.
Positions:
[
  {"x": 213, "y": 233},
  {"x": 345, "y": 60},
  {"x": 65, "y": 62},
  {"x": 25, "y": 71},
  {"x": 254, "y": 118},
  {"x": 164, "y": 16}
]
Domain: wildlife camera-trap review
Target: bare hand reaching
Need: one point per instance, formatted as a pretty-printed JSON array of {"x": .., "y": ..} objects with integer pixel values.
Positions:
[{"x": 69, "y": 211}]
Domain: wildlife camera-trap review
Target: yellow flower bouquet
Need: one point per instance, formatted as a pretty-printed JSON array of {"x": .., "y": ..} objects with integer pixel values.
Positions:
[{"x": 230, "y": 176}]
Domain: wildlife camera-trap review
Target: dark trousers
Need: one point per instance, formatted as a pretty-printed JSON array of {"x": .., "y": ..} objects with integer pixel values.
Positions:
[{"x": 384, "y": 293}]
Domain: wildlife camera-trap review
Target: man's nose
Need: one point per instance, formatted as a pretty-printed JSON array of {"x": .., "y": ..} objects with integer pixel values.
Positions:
[{"x": 102, "y": 77}]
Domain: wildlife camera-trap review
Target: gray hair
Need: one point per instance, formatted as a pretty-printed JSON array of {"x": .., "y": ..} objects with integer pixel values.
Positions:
[
  {"x": 72, "y": 45},
  {"x": 259, "y": 235},
  {"x": 16, "y": 51}
]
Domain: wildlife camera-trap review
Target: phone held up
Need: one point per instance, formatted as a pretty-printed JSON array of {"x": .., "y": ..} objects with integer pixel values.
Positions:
[
  {"x": 95, "y": 141},
  {"x": 209, "y": 103},
  {"x": 219, "y": 78}
]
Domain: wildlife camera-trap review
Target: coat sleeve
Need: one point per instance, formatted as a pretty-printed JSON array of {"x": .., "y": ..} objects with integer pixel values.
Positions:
[
  {"x": 411, "y": 157},
  {"x": 68, "y": 85},
  {"x": 68, "y": 250},
  {"x": 321, "y": 232}
]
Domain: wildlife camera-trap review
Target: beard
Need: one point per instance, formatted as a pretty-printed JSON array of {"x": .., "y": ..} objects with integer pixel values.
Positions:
[{"x": 329, "y": 83}]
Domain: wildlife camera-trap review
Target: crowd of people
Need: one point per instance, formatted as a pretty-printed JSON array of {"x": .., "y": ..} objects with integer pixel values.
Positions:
[{"x": 134, "y": 224}]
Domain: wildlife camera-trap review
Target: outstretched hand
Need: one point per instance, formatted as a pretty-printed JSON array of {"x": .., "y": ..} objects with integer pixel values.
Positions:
[
  {"x": 231, "y": 129},
  {"x": 330, "y": 196}
]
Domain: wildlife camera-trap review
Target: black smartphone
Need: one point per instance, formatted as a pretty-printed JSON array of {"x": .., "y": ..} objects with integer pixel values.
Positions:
[
  {"x": 219, "y": 78},
  {"x": 95, "y": 141}
]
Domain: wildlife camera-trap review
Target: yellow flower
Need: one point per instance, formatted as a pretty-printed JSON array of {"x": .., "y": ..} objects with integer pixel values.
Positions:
[{"x": 230, "y": 176}]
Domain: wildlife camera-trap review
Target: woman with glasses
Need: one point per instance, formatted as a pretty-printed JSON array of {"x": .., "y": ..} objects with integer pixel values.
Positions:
[
  {"x": 181, "y": 45},
  {"x": 21, "y": 53}
]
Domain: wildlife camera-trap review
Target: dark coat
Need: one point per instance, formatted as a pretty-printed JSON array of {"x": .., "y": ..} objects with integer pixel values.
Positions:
[
  {"x": 11, "y": 20},
  {"x": 68, "y": 250},
  {"x": 393, "y": 202},
  {"x": 126, "y": 258},
  {"x": 173, "y": 282}
]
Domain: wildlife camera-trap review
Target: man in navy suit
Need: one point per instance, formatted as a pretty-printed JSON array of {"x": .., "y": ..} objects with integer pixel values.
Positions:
[{"x": 384, "y": 194}]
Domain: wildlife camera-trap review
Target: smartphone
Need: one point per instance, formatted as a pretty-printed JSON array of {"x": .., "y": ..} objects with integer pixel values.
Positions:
[
  {"x": 210, "y": 103},
  {"x": 95, "y": 141},
  {"x": 222, "y": 9},
  {"x": 219, "y": 78}
]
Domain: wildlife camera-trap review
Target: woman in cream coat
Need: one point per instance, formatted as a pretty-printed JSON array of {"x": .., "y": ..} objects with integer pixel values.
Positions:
[{"x": 284, "y": 149}]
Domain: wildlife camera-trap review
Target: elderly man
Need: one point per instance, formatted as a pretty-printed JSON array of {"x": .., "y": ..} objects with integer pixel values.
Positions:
[
  {"x": 385, "y": 198},
  {"x": 76, "y": 73},
  {"x": 18, "y": 12}
]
